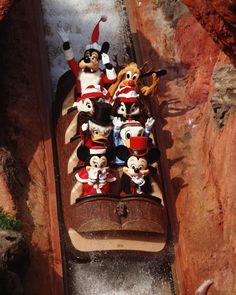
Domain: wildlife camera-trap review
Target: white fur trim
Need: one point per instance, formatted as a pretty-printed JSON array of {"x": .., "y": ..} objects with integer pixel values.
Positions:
[
  {"x": 95, "y": 46},
  {"x": 111, "y": 74},
  {"x": 69, "y": 54},
  {"x": 98, "y": 151},
  {"x": 87, "y": 79}
]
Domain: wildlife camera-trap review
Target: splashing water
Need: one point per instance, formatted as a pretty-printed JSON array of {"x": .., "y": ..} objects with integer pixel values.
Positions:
[{"x": 117, "y": 276}]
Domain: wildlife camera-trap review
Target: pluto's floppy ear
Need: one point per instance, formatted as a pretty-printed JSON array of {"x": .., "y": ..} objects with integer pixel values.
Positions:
[
  {"x": 83, "y": 153},
  {"x": 122, "y": 152},
  {"x": 153, "y": 155},
  {"x": 110, "y": 153}
]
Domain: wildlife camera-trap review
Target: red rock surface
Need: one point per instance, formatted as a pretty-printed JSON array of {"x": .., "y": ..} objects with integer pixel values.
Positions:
[
  {"x": 198, "y": 158},
  {"x": 218, "y": 18},
  {"x": 25, "y": 94}
]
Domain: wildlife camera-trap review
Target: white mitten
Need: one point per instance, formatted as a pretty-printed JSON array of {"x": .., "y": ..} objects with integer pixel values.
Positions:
[
  {"x": 105, "y": 58},
  {"x": 103, "y": 176},
  {"x": 63, "y": 35},
  {"x": 149, "y": 123},
  {"x": 117, "y": 122},
  {"x": 84, "y": 126},
  {"x": 93, "y": 175},
  {"x": 138, "y": 180}
]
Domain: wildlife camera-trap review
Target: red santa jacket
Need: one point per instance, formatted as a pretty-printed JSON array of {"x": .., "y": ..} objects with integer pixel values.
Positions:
[{"x": 98, "y": 187}]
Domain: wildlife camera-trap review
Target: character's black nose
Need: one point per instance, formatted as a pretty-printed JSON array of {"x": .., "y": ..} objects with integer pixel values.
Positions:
[
  {"x": 87, "y": 59},
  {"x": 136, "y": 170}
]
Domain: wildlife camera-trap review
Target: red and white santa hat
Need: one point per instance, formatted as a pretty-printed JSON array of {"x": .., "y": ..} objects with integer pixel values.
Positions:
[
  {"x": 95, "y": 91},
  {"x": 97, "y": 150},
  {"x": 131, "y": 122},
  {"x": 95, "y": 36},
  {"x": 127, "y": 94}
]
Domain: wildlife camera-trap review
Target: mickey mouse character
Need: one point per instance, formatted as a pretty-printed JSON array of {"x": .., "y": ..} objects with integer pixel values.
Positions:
[
  {"x": 129, "y": 105},
  {"x": 98, "y": 128},
  {"x": 123, "y": 131},
  {"x": 95, "y": 177},
  {"x": 87, "y": 71},
  {"x": 135, "y": 178}
]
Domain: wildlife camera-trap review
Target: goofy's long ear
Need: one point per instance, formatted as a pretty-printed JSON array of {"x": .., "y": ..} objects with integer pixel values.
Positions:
[
  {"x": 83, "y": 153},
  {"x": 122, "y": 152},
  {"x": 153, "y": 155},
  {"x": 105, "y": 47},
  {"x": 110, "y": 153}
]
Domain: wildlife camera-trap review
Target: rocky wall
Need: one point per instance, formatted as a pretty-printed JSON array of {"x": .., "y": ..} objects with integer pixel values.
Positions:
[
  {"x": 27, "y": 179},
  {"x": 196, "y": 115}
]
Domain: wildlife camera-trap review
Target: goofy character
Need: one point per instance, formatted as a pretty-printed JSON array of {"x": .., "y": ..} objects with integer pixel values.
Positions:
[{"x": 87, "y": 71}]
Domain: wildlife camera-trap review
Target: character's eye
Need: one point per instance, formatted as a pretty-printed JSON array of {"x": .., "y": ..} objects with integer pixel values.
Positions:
[
  {"x": 95, "y": 165},
  {"x": 88, "y": 105},
  {"x": 95, "y": 132},
  {"x": 133, "y": 167},
  {"x": 128, "y": 75},
  {"x": 122, "y": 109},
  {"x": 127, "y": 134},
  {"x": 134, "y": 108},
  {"x": 107, "y": 132},
  {"x": 103, "y": 164},
  {"x": 134, "y": 77},
  {"x": 140, "y": 133},
  {"x": 100, "y": 99}
]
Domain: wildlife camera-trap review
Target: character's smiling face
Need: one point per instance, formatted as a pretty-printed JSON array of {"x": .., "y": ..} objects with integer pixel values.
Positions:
[
  {"x": 136, "y": 166},
  {"x": 98, "y": 163},
  {"x": 99, "y": 134},
  {"x": 90, "y": 62},
  {"x": 127, "y": 110}
]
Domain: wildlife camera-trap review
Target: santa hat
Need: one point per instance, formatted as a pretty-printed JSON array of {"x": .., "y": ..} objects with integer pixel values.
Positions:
[
  {"x": 95, "y": 36},
  {"x": 97, "y": 150},
  {"x": 95, "y": 91},
  {"x": 131, "y": 122},
  {"x": 127, "y": 94},
  {"x": 138, "y": 146}
]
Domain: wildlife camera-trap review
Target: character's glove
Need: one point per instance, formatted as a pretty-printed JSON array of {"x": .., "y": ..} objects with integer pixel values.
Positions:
[
  {"x": 84, "y": 126},
  {"x": 93, "y": 175},
  {"x": 117, "y": 122},
  {"x": 138, "y": 180},
  {"x": 63, "y": 35},
  {"x": 149, "y": 123},
  {"x": 103, "y": 176},
  {"x": 105, "y": 58}
]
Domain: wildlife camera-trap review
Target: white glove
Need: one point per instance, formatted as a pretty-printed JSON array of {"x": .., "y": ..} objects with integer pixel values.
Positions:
[
  {"x": 93, "y": 175},
  {"x": 138, "y": 180},
  {"x": 105, "y": 58},
  {"x": 117, "y": 122},
  {"x": 63, "y": 35},
  {"x": 103, "y": 176},
  {"x": 149, "y": 123},
  {"x": 84, "y": 126}
]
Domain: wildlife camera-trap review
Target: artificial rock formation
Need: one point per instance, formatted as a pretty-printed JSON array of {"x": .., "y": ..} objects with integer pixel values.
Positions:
[
  {"x": 196, "y": 133},
  {"x": 14, "y": 261}
]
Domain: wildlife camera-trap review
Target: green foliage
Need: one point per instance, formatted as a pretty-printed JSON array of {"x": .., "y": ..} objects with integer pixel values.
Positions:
[{"x": 7, "y": 222}]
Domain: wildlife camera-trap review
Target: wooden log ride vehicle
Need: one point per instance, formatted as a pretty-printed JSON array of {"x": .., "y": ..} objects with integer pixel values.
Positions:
[{"x": 103, "y": 222}]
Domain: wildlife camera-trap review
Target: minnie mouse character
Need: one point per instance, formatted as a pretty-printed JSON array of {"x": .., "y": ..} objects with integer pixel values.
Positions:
[
  {"x": 135, "y": 178},
  {"x": 95, "y": 177},
  {"x": 87, "y": 71}
]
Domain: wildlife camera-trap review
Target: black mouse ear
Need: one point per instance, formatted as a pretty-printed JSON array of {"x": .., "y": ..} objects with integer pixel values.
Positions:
[
  {"x": 105, "y": 47},
  {"x": 110, "y": 153},
  {"x": 83, "y": 153},
  {"x": 122, "y": 152},
  {"x": 153, "y": 155}
]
